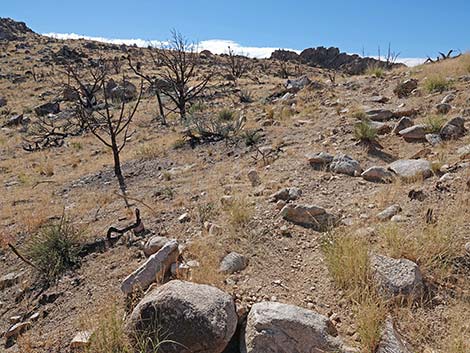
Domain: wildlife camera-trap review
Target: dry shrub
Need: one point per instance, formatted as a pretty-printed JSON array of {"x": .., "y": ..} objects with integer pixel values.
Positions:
[
  {"x": 208, "y": 254},
  {"x": 239, "y": 211}
]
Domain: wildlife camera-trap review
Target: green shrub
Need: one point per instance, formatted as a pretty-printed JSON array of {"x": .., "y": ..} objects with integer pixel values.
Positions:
[
  {"x": 437, "y": 83},
  {"x": 54, "y": 249},
  {"x": 375, "y": 70},
  {"x": 251, "y": 137},
  {"x": 434, "y": 123},
  {"x": 363, "y": 131},
  {"x": 245, "y": 96},
  {"x": 226, "y": 115}
]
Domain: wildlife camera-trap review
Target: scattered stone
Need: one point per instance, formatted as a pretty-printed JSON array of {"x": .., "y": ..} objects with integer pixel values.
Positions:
[
  {"x": 184, "y": 218},
  {"x": 286, "y": 194},
  {"x": 443, "y": 108},
  {"x": 47, "y": 108},
  {"x": 433, "y": 139},
  {"x": 233, "y": 262},
  {"x": 402, "y": 124},
  {"x": 81, "y": 340},
  {"x": 464, "y": 152},
  {"x": 380, "y": 114},
  {"x": 198, "y": 317},
  {"x": 378, "y": 99},
  {"x": 14, "y": 319},
  {"x": 410, "y": 169},
  {"x": 391, "y": 341},
  {"x": 319, "y": 160},
  {"x": 296, "y": 85},
  {"x": 344, "y": 164},
  {"x": 180, "y": 270},
  {"x": 453, "y": 129},
  {"x": 405, "y": 88},
  {"x": 378, "y": 174},
  {"x": 308, "y": 216},
  {"x": 413, "y": 133},
  {"x": 153, "y": 270},
  {"x": 447, "y": 99},
  {"x": 276, "y": 327},
  {"x": 380, "y": 128},
  {"x": 10, "y": 279},
  {"x": 17, "y": 329},
  {"x": 226, "y": 200},
  {"x": 254, "y": 178},
  {"x": 398, "y": 218},
  {"x": 154, "y": 244},
  {"x": 389, "y": 212},
  {"x": 397, "y": 276},
  {"x": 3, "y": 102}
]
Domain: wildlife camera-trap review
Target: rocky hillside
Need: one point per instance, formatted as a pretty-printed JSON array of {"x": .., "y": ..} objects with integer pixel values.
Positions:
[{"x": 286, "y": 208}]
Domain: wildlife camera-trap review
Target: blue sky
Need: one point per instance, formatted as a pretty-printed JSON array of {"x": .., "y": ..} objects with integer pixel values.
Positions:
[{"x": 414, "y": 28}]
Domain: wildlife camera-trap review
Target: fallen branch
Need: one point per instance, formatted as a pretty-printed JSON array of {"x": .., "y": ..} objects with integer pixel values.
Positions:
[{"x": 21, "y": 257}]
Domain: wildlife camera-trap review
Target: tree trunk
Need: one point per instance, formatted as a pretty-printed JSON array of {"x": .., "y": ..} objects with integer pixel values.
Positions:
[
  {"x": 160, "y": 107},
  {"x": 118, "y": 171}
]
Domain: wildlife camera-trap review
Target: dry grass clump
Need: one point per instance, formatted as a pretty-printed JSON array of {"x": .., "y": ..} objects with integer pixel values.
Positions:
[
  {"x": 239, "y": 211},
  {"x": 456, "y": 340},
  {"x": 358, "y": 114},
  {"x": 207, "y": 252},
  {"x": 148, "y": 151},
  {"x": 375, "y": 70},
  {"x": 451, "y": 67},
  {"x": 437, "y": 83},
  {"x": 347, "y": 258},
  {"x": 370, "y": 317}
]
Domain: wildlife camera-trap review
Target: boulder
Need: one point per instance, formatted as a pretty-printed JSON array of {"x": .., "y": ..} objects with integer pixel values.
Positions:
[
  {"x": 453, "y": 129},
  {"x": 152, "y": 270},
  {"x": 154, "y": 244},
  {"x": 47, "y": 108},
  {"x": 308, "y": 216},
  {"x": 397, "y": 276},
  {"x": 378, "y": 175},
  {"x": 414, "y": 133},
  {"x": 199, "y": 318},
  {"x": 233, "y": 262},
  {"x": 274, "y": 327},
  {"x": 411, "y": 168},
  {"x": 380, "y": 114},
  {"x": 402, "y": 124},
  {"x": 344, "y": 164}
]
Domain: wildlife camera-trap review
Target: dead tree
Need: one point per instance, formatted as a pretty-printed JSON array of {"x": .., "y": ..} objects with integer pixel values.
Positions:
[
  {"x": 237, "y": 65},
  {"x": 155, "y": 83},
  {"x": 180, "y": 66},
  {"x": 110, "y": 124},
  {"x": 442, "y": 57}
]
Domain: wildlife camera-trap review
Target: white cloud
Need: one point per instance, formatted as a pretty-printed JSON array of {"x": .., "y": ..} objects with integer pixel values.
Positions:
[{"x": 216, "y": 46}]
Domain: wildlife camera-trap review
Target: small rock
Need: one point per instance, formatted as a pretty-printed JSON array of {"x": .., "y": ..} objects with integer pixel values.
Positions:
[
  {"x": 411, "y": 169},
  {"x": 443, "y": 108},
  {"x": 402, "y": 124},
  {"x": 319, "y": 160},
  {"x": 464, "y": 152},
  {"x": 17, "y": 329},
  {"x": 10, "y": 279},
  {"x": 286, "y": 194},
  {"x": 81, "y": 340},
  {"x": 398, "y": 219},
  {"x": 233, "y": 262},
  {"x": 380, "y": 114},
  {"x": 378, "y": 174},
  {"x": 413, "y": 133},
  {"x": 405, "y": 88},
  {"x": 467, "y": 247},
  {"x": 154, "y": 244},
  {"x": 433, "y": 139},
  {"x": 184, "y": 218},
  {"x": 391, "y": 341},
  {"x": 308, "y": 216},
  {"x": 254, "y": 178},
  {"x": 397, "y": 276},
  {"x": 453, "y": 129},
  {"x": 447, "y": 99},
  {"x": 47, "y": 108},
  {"x": 344, "y": 164},
  {"x": 389, "y": 212}
]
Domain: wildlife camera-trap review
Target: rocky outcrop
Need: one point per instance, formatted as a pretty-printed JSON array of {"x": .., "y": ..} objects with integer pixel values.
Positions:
[
  {"x": 196, "y": 317},
  {"x": 13, "y": 30},
  {"x": 331, "y": 58},
  {"x": 274, "y": 327}
]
